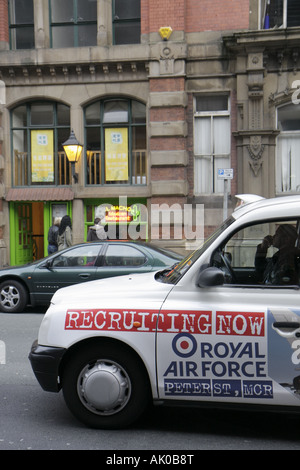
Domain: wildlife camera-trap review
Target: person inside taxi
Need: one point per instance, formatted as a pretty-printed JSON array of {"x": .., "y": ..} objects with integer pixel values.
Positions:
[{"x": 281, "y": 268}]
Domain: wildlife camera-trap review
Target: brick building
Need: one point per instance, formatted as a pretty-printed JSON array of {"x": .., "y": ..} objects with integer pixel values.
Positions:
[{"x": 157, "y": 117}]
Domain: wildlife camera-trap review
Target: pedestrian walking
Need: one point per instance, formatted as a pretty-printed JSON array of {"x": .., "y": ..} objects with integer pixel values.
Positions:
[
  {"x": 52, "y": 236},
  {"x": 64, "y": 237}
]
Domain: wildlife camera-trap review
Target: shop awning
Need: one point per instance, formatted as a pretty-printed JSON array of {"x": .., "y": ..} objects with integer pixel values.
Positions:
[{"x": 40, "y": 194}]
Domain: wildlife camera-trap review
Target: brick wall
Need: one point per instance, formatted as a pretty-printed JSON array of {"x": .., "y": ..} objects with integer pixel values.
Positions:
[
  {"x": 194, "y": 15},
  {"x": 158, "y": 13},
  {"x": 216, "y": 15},
  {"x": 4, "y": 20}
]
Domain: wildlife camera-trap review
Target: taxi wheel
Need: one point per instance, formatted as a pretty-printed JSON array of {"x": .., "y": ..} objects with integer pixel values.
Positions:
[
  {"x": 106, "y": 387},
  {"x": 13, "y": 297}
]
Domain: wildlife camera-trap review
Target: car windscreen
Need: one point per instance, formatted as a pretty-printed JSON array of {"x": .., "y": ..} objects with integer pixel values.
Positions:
[{"x": 175, "y": 273}]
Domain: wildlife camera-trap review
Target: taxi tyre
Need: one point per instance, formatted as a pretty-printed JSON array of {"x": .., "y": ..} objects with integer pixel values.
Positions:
[
  {"x": 106, "y": 386},
  {"x": 13, "y": 296}
]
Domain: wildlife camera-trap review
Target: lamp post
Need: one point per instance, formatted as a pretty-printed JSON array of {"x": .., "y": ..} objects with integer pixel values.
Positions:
[{"x": 73, "y": 151}]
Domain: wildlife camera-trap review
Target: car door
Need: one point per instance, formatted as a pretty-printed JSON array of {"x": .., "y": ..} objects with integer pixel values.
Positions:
[
  {"x": 72, "y": 266},
  {"x": 238, "y": 342}
]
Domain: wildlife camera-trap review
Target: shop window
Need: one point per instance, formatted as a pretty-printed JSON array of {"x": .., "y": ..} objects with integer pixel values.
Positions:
[
  {"x": 115, "y": 141},
  {"x": 280, "y": 13},
  {"x": 73, "y": 23},
  {"x": 38, "y": 130},
  {"x": 126, "y": 22},
  {"x": 21, "y": 24},
  {"x": 288, "y": 149},
  {"x": 211, "y": 142}
]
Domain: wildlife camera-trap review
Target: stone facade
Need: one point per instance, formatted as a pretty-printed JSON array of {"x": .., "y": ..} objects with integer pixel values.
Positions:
[{"x": 214, "y": 48}]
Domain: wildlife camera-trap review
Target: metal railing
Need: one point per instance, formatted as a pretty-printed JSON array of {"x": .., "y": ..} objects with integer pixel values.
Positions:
[
  {"x": 21, "y": 165},
  {"x": 95, "y": 167}
]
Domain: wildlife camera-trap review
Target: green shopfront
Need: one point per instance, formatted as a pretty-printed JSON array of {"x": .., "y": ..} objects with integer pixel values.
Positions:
[
  {"x": 123, "y": 218},
  {"x": 30, "y": 220}
]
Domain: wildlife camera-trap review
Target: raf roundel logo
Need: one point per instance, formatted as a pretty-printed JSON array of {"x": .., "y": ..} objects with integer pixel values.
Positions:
[{"x": 184, "y": 345}]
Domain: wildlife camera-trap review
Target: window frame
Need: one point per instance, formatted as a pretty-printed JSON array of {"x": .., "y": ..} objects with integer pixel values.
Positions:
[
  {"x": 285, "y": 19},
  {"x": 213, "y": 114},
  {"x": 289, "y": 135},
  {"x": 125, "y": 21},
  {"x": 101, "y": 126},
  {"x": 14, "y": 27},
  {"x": 27, "y": 133},
  {"x": 75, "y": 24}
]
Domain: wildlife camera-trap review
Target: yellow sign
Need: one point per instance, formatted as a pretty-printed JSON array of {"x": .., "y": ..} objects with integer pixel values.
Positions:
[
  {"x": 165, "y": 32},
  {"x": 116, "y": 154},
  {"x": 42, "y": 156}
]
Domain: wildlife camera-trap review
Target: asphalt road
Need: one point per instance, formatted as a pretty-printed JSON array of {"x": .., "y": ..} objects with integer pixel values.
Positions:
[{"x": 31, "y": 419}]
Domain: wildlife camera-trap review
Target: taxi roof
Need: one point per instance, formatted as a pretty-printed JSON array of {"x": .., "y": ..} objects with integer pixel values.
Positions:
[{"x": 284, "y": 205}]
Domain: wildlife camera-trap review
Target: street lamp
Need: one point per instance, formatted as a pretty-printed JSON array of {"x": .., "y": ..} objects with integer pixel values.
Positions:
[{"x": 73, "y": 151}]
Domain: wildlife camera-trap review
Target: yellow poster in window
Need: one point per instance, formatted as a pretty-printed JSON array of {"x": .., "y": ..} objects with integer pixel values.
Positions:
[
  {"x": 42, "y": 156},
  {"x": 116, "y": 154}
]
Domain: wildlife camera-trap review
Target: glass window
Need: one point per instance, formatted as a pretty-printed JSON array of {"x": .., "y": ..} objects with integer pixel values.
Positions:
[
  {"x": 280, "y": 13},
  {"x": 21, "y": 24},
  {"x": 115, "y": 139},
  {"x": 84, "y": 256},
  {"x": 118, "y": 255},
  {"x": 211, "y": 103},
  {"x": 126, "y": 21},
  {"x": 42, "y": 113},
  {"x": 264, "y": 254},
  {"x": 115, "y": 111},
  {"x": 287, "y": 149},
  {"x": 38, "y": 131},
  {"x": 211, "y": 142},
  {"x": 73, "y": 23}
]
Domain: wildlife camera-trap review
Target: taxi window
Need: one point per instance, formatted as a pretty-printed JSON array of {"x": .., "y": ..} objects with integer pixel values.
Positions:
[
  {"x": 83, "y": 256},
  {"x": 174, "y": 274},
  {"x": 262, "y": 254}
]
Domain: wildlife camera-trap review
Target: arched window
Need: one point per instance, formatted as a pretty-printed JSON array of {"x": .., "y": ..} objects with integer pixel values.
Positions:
[
  {"x": 115, "y": 141},
  {"x": 38, "y": 130},
  {"x": 288, "y": 149}
]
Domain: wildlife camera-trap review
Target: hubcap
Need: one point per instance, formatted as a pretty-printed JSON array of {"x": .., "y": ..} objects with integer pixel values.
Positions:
[
  {"x": 9, "y": 296},
  {"x": 104, "y": 387}
]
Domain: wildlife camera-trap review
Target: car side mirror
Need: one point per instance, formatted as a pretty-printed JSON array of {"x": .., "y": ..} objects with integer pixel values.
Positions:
[
  {"x": 210, "y": 277},
  {"x": 47, "y": 264}
]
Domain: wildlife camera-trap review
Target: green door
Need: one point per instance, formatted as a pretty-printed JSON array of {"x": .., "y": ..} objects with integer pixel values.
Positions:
[{"x": 21, "y": 235}]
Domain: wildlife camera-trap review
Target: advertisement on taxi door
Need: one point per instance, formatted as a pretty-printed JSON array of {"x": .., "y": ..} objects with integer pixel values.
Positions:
[
  {"x": 220, "y": 355},
  {"x": 224, "y": 355}
]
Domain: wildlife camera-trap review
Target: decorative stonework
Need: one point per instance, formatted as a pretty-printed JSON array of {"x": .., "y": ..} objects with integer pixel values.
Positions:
[
  {"x": 166, "y": 61},
  {"x": 255, "y": 149}
]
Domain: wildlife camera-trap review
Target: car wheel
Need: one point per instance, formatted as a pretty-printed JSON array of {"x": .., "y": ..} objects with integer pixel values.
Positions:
[
  {"x": 106, "y": 387},
  {"x": 13, "y": 297}
]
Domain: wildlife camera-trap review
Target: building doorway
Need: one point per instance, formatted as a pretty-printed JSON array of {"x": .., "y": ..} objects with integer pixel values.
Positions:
[{"x": 26, "y": 232}]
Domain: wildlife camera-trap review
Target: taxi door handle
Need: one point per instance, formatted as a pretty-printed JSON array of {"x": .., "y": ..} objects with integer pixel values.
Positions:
[{"x": 286, "y": 324}]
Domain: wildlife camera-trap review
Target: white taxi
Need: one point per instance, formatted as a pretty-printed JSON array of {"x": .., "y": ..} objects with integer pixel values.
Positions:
[{"x": 221, "y": 328}]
